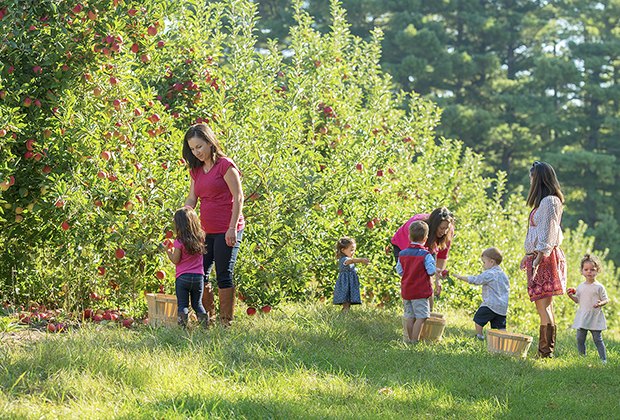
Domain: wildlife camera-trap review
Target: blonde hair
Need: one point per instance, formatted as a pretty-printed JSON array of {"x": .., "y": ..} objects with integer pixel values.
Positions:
[
  {"x": 594, "y": 260},
  {"x": 343, "y": 243},
  {"x": 493, "y": 254}
]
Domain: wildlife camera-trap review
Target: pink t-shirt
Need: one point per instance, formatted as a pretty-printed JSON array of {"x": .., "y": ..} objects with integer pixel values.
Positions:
[
  {"x": 190, "y": 263},
  {"x": 216, "y": 200},
  {"x": 401, "y": 237}
]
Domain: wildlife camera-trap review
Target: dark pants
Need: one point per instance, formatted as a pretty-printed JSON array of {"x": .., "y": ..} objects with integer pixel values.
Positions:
[
  {"x": 396, "y": 251},
  {"x": 223, "y": 256},
  {"x": 598, "y": 342},
  {"x": 188, "y": 288}
]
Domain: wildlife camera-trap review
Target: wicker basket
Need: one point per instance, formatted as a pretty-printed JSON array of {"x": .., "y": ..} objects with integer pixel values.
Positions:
[
  {"x": 436, "y": 315},
  {"x": 513, "y": 344},
  {"x": 432, "y": 330},
  {"x": 162, "y": 309}
]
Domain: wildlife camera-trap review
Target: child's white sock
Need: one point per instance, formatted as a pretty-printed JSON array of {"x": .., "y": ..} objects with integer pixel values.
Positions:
[{"x": 480, "y": 336}]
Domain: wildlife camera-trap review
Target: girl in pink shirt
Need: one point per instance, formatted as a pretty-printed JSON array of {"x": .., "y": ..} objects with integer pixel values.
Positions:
[{"x": 187, "y": 254}]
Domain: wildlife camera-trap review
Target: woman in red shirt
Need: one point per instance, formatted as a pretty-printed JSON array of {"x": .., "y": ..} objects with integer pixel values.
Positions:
[{"x": 216, "y": 182}]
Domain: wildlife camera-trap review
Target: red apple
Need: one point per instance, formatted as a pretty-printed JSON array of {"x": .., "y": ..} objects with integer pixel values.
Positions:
[
  {"x": 161, "y": 44},
  {"x": 113, "y": 80},
  {"x": 105, "y": 155},
  {"x": 102, "y": 175},
  {"x": 160, "y": 275},
  {"x": 169, "y": 234},
  {"x": 77, "y": 8},
  {"x": 339, "y": 212},
  {"x": 119, "y": 253},
  {"x": 571, "y": 291},
  {"x": 88, "y": 313},
  {"x": 154, "y": 118},
  {"x": 27, "y": 102},
  {"x": 135, "y": 48},
  {"x": 97, "y": 318},
  {"x": 65, "y": 225},
  {"x": 59, "y": 203},
  {"x": 46, "y": 169},
  {"x": 445, "y": 273},
  {"x": 30, "y": 145},
  {"x": 266, "y": 309},
  {"x": 132, "y": 12},
  {"x": 101, "y": 270},
  {"x": 51, "y": 328},
  {"x": 370, "y": 224},
  {"x": 152, "y": 30},
  {"x": 380, "y": 172},
  {"x": 251, "y": 311},
  {"x": 2, "y": 133},
  {"x": 98, "y": 203},
  {"x": 359, "y": 166},
  {"x": 127, "y": 322}
]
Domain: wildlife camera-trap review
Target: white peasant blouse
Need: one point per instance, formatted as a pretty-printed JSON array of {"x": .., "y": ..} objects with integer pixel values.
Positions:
[{"x": 544, "y": 231}]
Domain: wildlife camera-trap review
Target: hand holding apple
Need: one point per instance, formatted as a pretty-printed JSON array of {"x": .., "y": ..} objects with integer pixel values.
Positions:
[{"x": 571, "y": 291}]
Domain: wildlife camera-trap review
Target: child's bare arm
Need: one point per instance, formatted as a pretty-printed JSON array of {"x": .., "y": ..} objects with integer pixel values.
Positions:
[
  {"x": 356, "y": 261},
  {"x": 601, "y": 303},
  {"x": 174, "y": 255}
]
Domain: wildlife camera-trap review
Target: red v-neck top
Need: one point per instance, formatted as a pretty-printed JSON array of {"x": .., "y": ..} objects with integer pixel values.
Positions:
[{"x": 216, "y": 200}]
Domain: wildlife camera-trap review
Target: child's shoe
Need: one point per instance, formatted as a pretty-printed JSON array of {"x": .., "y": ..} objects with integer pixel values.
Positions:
[
  {"x": 182, "y": 320},
  {"x": 203, "y": 319},
  {"x": 480, "y": 337}
]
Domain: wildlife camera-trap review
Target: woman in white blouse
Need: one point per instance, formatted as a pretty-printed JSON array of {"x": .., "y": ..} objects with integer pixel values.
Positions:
[{"x": 544, "y": 261}]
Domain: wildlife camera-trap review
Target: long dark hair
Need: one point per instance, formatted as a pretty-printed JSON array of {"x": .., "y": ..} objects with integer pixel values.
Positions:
[
  {"x": 189, "y": 231},
  {"x": 434, "y": 220},
  {"x": 203, "y": 132},
  {"x": 544, "y": 183}
]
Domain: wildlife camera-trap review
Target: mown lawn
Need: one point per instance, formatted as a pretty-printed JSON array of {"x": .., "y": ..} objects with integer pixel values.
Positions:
[{"x": 301, "y": 361}]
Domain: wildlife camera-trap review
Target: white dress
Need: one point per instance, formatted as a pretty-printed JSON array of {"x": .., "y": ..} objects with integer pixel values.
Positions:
[{"x": 588, "y": 317}]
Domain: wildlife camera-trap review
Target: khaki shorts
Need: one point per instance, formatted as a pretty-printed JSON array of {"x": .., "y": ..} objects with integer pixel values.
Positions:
[{"x": 416, "y": 308}]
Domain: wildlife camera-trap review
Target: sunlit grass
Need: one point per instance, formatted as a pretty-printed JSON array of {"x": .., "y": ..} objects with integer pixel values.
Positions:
[{"x": 303, "y": 361}]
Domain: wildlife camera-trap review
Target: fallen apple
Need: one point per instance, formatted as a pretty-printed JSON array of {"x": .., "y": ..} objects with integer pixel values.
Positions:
[
  {"x": 266, "y": 309},
  {"x": 251, "y": 311}
]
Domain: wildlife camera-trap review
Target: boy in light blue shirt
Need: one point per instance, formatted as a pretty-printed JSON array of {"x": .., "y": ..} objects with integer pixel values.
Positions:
[{"x": 495, "y": 291}]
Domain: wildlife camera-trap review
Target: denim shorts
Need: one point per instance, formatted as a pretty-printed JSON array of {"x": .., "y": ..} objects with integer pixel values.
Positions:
[{"x": 416, "y": 308}]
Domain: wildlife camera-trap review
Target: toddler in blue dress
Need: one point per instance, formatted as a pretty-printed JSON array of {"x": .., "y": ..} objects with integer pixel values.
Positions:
[{"x": 347, "y": 289}]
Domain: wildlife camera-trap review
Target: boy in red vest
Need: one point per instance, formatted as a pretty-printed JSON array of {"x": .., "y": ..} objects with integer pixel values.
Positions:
[{"x": 415, "y": 265}]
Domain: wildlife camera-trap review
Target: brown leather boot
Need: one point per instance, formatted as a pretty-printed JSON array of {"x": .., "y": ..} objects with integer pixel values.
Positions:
[
  {"x": 551, "y": 339},
  {"x": 208, "y": 301},
  {"x": 227, "y": 305},
  {"x": 543, "y": 341}
]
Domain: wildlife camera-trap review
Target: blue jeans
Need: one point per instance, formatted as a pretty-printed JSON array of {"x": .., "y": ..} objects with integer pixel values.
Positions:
[
  {"x": 189, "y": 287},
  {"x": 223, "y": 256}
]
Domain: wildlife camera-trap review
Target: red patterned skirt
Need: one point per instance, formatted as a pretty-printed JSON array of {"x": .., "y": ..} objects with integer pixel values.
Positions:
[{"x": 550, "y": 279}]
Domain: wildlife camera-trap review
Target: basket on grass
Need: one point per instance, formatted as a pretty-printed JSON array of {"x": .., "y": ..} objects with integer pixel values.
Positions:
[
  {"x": 433, "y": 328},
  {"x": 513, "y": 344},
  {"x": 162, "y": 309}
]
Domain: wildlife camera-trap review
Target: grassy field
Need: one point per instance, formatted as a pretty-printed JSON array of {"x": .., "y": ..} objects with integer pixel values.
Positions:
[{"x": 298, "y": 362}]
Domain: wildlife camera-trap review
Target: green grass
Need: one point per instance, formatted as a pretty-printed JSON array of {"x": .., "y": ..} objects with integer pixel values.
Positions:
[{"x": 299, "y": 362}]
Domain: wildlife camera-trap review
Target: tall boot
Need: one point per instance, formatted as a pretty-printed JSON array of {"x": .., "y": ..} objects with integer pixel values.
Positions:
[
  {"x": 543, "y": 341},
  {"x": 551, "y": 339},
  {"x": 227, "y": 305},
  {"x": 208, "y": 301}
]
